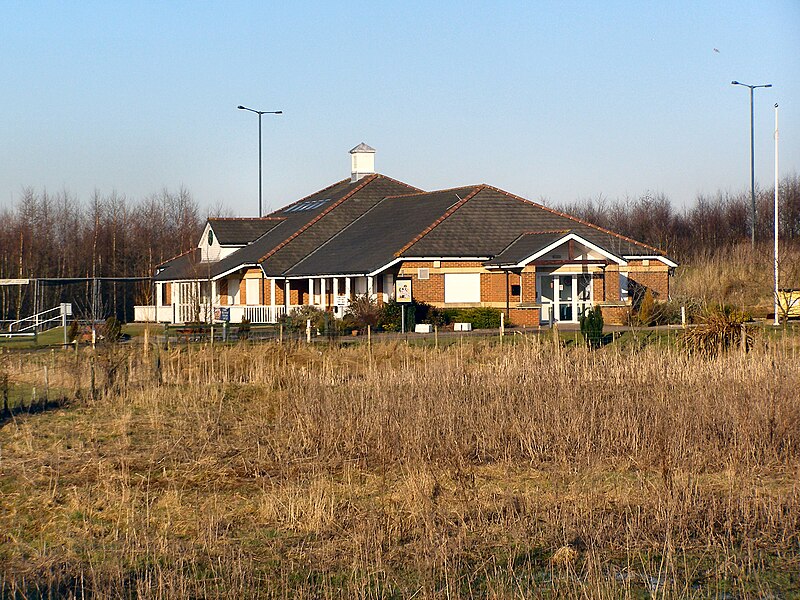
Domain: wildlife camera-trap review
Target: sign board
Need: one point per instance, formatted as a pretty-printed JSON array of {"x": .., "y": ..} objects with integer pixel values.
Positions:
[
  {"x": 402, "y": 291},
  {"x": 14, "y": 281},
  {"x": 342, "y": 300},
  {"x": 66, "y": 309},
  {"x": 222, "y": 313}
]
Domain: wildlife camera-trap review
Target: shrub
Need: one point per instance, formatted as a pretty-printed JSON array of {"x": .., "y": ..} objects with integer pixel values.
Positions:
[
  {"x": 243, "y": 330},
  {"x": 112, "y": 329},
  {"x": 364, "y": 311},
  {"x": 591, "y": 322},
  {"x": 296, "y": 320},
  {"x": 667, "y": 313},
  {"x": 426, "y": 313},
  {"x": 720, "y": 329},
  {"x": 481, "y": 318}
]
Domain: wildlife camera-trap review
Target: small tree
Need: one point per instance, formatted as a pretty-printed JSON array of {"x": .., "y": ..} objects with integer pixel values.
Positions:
[
  {"x": 644, "y": 315},
  {"x": 591, "y": 321},
  {"x": 364, "y": 311}
]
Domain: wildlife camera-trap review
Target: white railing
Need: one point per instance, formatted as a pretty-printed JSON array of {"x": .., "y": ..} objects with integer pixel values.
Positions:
[
  {"x": 187, "y": 313},
  {"x": 152, "y": 314},
  {"x": 263, "y": 314},
  {"x": 39, "y": 321}
]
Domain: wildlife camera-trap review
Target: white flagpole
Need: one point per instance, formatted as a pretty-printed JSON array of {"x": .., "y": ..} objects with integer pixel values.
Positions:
[{"x": 777, "y": 322}]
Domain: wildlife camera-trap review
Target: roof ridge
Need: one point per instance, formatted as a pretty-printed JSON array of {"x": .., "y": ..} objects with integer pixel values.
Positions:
[
  {"x": 366, "y": 181},
  {"x": 245, "y": 218},
  {"x": 576, "y": 219},
  {"x": 453, "y": 208},
  {"x": 423, "y": 192},
  {"x": 544, "y": 231}
]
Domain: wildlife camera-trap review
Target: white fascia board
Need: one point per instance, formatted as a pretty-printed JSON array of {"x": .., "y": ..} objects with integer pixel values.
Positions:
[
  {"x": 427, "y": 258},
  {"x": 205, "y": 234},
  {"x": 663, "y": 259},
  {"x": 236, "y": 268},
  {"x": 328, "y": 276},
  {"x": 577, "y": 238}
]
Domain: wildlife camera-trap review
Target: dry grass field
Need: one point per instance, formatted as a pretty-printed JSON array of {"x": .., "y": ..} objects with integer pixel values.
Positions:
[{"x": 472, "y": 471}]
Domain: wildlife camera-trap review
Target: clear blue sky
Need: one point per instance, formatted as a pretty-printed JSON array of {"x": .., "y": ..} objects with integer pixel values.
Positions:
[{"x": 549, "y": 100}]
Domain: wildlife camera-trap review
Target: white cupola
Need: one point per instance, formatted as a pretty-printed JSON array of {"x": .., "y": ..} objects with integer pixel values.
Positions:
[{"x": 362, "y": 161}]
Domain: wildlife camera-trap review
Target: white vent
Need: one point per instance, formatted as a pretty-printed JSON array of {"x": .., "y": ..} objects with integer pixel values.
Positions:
[{"x": 423, "y": 273}]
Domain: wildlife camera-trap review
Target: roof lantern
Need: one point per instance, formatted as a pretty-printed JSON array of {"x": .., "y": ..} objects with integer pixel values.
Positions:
[{"x": 362, "y": 161}]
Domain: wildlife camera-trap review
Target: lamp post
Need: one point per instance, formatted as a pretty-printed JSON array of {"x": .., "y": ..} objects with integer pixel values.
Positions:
[
  {"x": 752, "y": 161},
  {"x": 260, "y": 113},
  {"x": 775, "y": 217}
]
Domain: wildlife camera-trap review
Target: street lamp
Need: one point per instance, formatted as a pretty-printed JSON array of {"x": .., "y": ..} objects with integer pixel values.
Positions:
[
  {"x": 259, "y": 113},
  {"x": 752, "y": 163}
]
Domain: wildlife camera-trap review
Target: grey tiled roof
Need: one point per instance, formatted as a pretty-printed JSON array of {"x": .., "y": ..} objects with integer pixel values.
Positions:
[
  {"x": 373, "y": 240},
  {"x": 366, "y": 194},
  {"x": 238, "y": 232},
  {"x": 490, "y": 221},
  {"x": 526, "y": 245},
  {"x": 359, "y": 227}
]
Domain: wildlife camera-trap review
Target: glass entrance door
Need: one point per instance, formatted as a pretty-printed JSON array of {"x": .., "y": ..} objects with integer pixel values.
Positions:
[{"x": 564, "y": 297}]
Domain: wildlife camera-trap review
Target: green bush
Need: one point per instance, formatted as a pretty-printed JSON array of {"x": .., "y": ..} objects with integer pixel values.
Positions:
[
  {"x": 481, "y": 318},
  {"x": 112, "y": 329},
  {"x": 296, "y": 320},
  {"x": 591, "y": 321},
  {"x": 392, "y": 315}
]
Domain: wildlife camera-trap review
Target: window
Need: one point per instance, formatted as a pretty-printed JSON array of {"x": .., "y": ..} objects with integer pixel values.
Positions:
[
  {"x": 515, "y": 289},
  {"x": 306, "y": 205},
  {"x": 251, "y": 291},
  {"x": 460, "y": 288},
  {"x": 423, "y": 274}
]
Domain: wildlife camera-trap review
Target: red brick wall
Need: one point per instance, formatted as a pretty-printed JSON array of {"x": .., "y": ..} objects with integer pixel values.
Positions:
[
  {"x": 529, "y": 317},
  {"x": 656, "y": 281},
  {"x": 598, "y": 287},
  {"x": 223, "y": 292}
]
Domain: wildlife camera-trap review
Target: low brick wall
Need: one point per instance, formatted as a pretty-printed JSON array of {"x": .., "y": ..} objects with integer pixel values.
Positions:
[{"x": 615, "y": 314}]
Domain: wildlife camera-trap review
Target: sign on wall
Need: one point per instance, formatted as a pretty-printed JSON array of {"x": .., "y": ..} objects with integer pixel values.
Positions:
[
  {"x": 402, "y": 291},
  {"x": 222, "y": 313}
]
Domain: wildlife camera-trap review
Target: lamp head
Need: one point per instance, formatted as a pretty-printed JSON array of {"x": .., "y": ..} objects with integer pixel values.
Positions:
[
  {"x": 732, "y": 83},
  {"x": 240, "y": 107}
]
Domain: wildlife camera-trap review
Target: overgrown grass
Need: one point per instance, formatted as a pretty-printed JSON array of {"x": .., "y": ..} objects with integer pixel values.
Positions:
[{"x": 531, "y": 469}]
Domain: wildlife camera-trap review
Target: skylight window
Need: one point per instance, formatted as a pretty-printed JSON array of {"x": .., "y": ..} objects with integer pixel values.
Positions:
[{"x": 307, "y": 205}]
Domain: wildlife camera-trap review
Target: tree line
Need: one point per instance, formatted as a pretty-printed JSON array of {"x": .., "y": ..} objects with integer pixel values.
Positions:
[
  {"x": 710, "y": 224},
  {"x": 56, "y": 236},
  {"x": 48, "y": 235}
]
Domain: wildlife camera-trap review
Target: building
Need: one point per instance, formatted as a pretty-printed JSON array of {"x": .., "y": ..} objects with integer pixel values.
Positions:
[{"x": 470, "y": 246}]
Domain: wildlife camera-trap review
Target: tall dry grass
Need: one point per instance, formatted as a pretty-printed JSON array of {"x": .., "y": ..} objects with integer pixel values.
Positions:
[
  {"x": 476, "y": 471},
  {"x": 741, "y": 276}
]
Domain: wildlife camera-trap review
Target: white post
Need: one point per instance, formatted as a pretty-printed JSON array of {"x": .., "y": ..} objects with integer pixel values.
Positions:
[
  {"x": 370, "y": 285},
  {"x": 272, "y": 292},
  {"x": 308, "y": 331},
  {"x": 502, "y": 324},
  {"x": 335, "y": 294},
  {"x": 286, "y": 293},
  {"x": 347, "y": 287},
  {"x": 323, "y": 291},
  {"x": 777, "y": 307}
]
